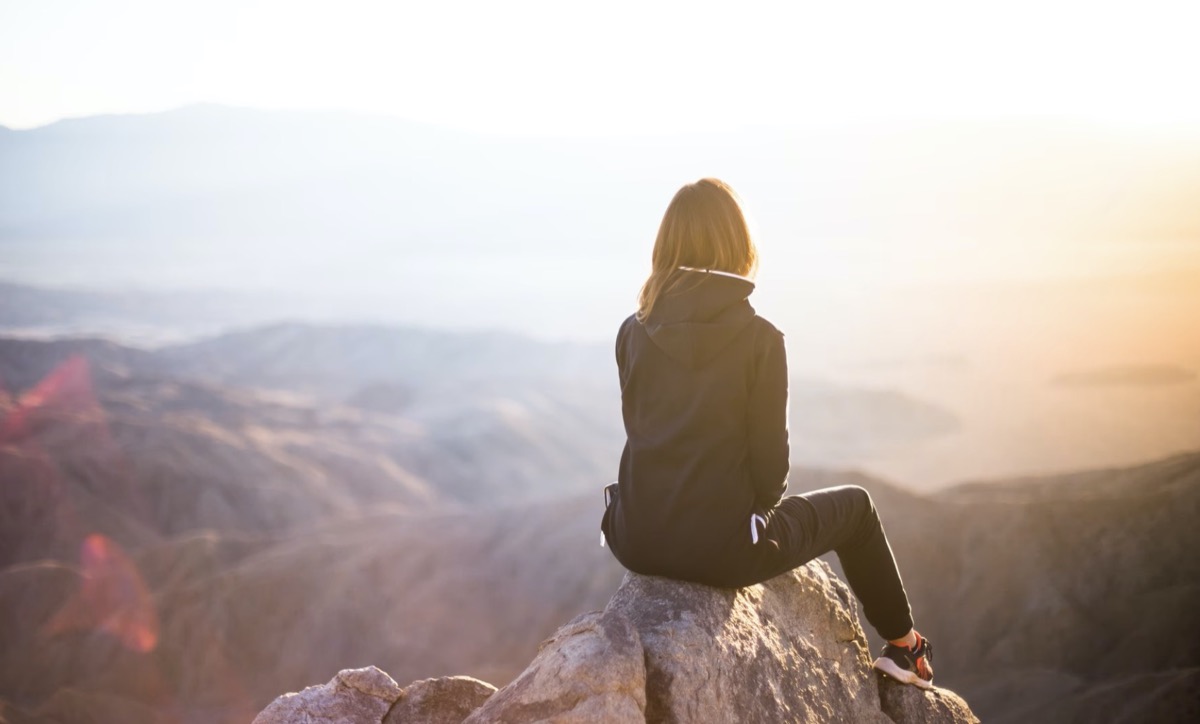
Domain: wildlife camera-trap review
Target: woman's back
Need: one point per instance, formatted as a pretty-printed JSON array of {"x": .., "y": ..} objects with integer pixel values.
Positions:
[{"x": 703, "y": 388}]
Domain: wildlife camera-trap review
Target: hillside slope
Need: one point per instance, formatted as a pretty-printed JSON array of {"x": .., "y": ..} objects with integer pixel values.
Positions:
[{"x": 1052, "y": 597}]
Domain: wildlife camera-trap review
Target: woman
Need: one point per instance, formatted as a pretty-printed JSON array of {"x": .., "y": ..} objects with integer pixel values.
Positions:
[{"x": 700, "y": 494}]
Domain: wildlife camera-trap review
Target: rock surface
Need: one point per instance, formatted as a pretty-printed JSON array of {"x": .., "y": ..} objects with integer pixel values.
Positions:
[
  {"x": 906, "y": 704},
  {"x": 447, "y": 700},
  {"x": 590, "y": 670},
  {"x": 790, "y": 649},
  {"x": 787, "y": 650},
  {"x": 353, "y": 696},
  {"x": 361, "y": 696}
]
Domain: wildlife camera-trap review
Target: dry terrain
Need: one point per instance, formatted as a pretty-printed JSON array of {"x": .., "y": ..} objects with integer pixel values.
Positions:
[{"x": 185, "y": 536}]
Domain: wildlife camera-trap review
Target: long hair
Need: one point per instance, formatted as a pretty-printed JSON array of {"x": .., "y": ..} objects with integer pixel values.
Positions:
[{"x": 703, "y": 228}]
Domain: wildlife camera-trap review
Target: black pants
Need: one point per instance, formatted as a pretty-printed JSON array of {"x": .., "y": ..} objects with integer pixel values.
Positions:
[{"x": 844, "y": 520}]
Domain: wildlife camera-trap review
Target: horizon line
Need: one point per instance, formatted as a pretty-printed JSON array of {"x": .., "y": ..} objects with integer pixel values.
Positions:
[{"x": 878, "y": 123}]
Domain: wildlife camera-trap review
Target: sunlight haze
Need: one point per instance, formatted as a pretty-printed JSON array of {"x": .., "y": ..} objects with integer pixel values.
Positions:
[
  {"x": 955, "y": 201},
  {"x": 620, "y": 67}
]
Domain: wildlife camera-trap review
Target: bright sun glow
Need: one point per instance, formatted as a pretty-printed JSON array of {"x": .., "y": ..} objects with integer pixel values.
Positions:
[{"x": 542, "y": 66}]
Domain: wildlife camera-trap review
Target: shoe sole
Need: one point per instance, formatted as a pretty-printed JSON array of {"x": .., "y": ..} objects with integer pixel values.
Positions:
[{"x": 890, "y": 668}]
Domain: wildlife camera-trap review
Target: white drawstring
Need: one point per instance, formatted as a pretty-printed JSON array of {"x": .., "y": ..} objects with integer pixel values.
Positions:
[
  {"x": 607, "y": 502},
  {"x": 755, "y": 518},
  {"x": 755, "y": 521},
  {"x": 717, "y": 271}
]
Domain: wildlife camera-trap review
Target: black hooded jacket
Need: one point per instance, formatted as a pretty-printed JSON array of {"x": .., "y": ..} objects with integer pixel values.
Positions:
[{"x": 704, "y": 399}]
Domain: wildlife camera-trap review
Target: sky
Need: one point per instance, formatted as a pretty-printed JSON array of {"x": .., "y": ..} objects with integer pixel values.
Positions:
[
  {"x": 879, "y": 206},
  {"x": 614, "y": 67}
]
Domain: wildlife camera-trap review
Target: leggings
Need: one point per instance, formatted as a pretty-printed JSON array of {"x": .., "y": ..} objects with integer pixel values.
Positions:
[{"x": 844, "y": 520}]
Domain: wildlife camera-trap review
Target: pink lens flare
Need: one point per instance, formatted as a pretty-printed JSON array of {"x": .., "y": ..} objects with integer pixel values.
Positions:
[
  {"x": 112, "y": 598},
  {"x": 66, "y": 388}
]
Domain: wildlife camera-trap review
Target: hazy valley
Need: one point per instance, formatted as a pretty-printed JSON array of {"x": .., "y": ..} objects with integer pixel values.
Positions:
[{"x": 191, "y": 530}]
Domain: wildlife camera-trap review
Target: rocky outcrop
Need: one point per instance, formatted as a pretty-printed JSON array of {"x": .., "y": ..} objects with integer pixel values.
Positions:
[
  {"x": 446, "y": 700},
  {"x": 593, "y": 669},
  {"x": 790, "y": 649},
  {"x": 358, "y": 696},
  {"x": 905, "y": 704},
  {"x": 354, "y": 695}
]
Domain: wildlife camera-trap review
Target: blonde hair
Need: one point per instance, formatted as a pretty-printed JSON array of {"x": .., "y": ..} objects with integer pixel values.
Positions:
[{"x": 703, "y": 228}]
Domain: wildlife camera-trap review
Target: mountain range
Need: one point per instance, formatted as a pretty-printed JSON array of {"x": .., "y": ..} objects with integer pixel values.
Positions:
[{"x": 186, "y": 535}]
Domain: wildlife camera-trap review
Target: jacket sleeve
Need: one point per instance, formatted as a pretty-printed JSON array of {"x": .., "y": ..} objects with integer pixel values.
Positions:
[{"x": 767, "y": 424}]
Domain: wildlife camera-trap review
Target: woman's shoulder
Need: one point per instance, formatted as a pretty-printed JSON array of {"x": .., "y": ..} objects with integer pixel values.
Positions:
[
  {"x": 623, "y": 332},
  {"x": 627, "y": 325},
  {"x": 765, "y": 327}
]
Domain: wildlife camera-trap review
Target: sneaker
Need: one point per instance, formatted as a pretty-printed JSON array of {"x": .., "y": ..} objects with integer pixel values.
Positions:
[{"x": 908, "y": 666}]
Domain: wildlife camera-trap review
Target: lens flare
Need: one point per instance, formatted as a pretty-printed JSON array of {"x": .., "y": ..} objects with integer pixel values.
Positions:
[
  {"x": 66, "y": 388},
  {"x": 113, "y": 598}
]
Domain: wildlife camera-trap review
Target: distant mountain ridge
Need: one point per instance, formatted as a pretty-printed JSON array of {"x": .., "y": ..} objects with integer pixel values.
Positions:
[
  {"x": 482, "y": 442},
  {"x": 333, "y": 360},
  {"x": 233, "y": 192},
  {"x": 494, "y": 400}
]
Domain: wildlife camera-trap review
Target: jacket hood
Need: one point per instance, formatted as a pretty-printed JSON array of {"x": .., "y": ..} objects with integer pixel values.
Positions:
[{"x": 693, "y": 325}]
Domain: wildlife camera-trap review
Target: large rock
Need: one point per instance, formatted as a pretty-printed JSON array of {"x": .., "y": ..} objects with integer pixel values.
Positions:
[
  {"x": 788, "y": 650},
  {"x": 590, "y": 670},
  {"x": 447, "y": 700},
  {"x": 906, "y": 704},
  {"x": 369, "y": 696},
  {"x": 353, "y": 696}
]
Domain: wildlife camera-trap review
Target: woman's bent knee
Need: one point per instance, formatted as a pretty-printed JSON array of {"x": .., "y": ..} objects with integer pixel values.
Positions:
[{"x": 861, "y": 497}]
